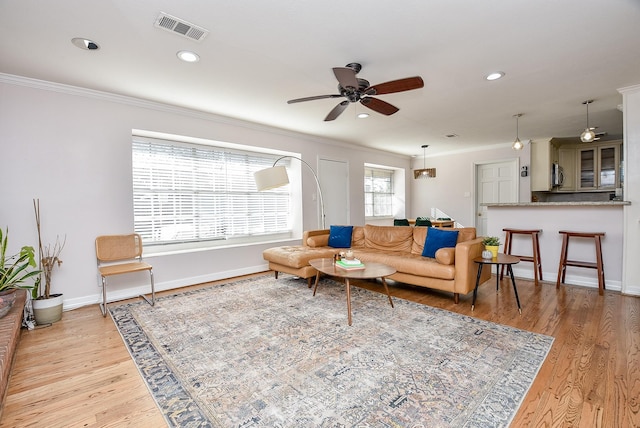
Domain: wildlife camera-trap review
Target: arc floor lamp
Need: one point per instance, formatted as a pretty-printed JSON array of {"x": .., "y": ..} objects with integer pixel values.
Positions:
[{"x": 276, "y": 176}]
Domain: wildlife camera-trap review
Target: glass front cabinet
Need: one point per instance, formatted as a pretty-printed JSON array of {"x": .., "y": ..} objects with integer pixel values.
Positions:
[{"x": 599, "y": 167}]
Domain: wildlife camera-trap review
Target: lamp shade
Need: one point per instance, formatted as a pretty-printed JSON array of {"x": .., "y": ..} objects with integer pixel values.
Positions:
[
  {"x": 271, "y": 178},
  {"x": 424, "y": 173}
]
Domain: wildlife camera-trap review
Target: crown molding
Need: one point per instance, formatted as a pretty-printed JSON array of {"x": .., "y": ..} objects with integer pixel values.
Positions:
[{"x": 177, "y": 110}]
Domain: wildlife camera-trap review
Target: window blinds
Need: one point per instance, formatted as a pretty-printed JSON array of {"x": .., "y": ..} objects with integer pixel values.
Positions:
[
  {"x": 378, "y": 192},
  {"x": 187, "y": 192}
]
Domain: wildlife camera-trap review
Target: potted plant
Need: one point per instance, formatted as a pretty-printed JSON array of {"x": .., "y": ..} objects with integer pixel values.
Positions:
[
  {"x": 15, "y": 269},
  {"x": 491, "y": 243},
  {"x": 47, "y": 307}
]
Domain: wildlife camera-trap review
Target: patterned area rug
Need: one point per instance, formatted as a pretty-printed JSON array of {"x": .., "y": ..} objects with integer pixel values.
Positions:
[{"x": 266, "y": 353}]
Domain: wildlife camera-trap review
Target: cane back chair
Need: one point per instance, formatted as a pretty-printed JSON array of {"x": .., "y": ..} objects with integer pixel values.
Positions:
[{"x": 120, "y": 254}]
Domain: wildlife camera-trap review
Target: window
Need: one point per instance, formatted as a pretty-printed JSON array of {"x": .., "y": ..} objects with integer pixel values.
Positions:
[
  {"x": 378, "y": 192},
  {"x": 205, "y": 195}
]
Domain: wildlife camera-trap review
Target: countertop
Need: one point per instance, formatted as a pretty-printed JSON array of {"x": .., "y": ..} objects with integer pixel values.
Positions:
[{"x": 560, "y": 204}]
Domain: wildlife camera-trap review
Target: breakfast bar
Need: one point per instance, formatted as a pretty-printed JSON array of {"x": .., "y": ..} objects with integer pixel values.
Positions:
[{"x": 553, "y": 217}]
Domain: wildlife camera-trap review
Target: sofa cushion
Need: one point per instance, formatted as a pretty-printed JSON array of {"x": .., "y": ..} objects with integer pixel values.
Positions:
[
  {"x": 318, "y": 241},
  {"x": 412, "y": 264},
  {"x": 340, "y": 236},
  {"x": 296, "y": 256},
  {"x": 357, "y": 237},
  {"x": 446, "y": 256},
  {"x": 438, "y": 238},
  {"x": 388, "y": 238},
  {"x": 466, "y": 234}
]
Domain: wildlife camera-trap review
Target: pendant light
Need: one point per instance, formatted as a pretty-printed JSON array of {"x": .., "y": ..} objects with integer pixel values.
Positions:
[
  {"x": 588, "y": 136},
  {"x": 424, "y": 172},
  {"x": 517, "y": 145}
]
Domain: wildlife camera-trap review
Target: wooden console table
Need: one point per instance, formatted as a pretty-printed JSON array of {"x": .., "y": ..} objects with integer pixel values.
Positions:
[{"x": 9, "y": 336}]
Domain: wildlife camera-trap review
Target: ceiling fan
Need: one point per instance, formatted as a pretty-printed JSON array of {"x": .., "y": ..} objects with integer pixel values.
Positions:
[{"x": 358, "y": 90}]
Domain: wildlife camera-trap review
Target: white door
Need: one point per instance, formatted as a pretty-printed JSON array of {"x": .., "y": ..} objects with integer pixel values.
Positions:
[
  {"x": 334, "y": 182},
  {"x": 496, "y": 182}
]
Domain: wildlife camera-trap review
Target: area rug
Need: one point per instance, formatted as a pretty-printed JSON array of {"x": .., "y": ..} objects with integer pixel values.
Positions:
[{"x": 263, "y": 352}]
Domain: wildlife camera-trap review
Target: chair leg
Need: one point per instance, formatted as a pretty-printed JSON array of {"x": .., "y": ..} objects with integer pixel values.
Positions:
[
  {"x": 152, "y": 302},
  {"x": 103, "y": 305},
  {"x": 600, "y": 264},
  {"x": 539, "y": 257},
  {"x": 562, "y": 267},
  {"x": 507, "y": 250}
]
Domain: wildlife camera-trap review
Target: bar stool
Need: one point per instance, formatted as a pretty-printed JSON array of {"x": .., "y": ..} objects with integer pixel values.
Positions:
[
  {"x": 535, "y": 257},
  {"x": 564, "y": 262}
]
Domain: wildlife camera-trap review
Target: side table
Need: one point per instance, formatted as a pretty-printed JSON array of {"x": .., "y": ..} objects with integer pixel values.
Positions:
[{"x": 501, "y": 260}]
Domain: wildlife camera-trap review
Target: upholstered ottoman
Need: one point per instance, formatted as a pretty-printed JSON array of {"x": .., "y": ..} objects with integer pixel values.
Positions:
[{"x": 295, "y": 260}]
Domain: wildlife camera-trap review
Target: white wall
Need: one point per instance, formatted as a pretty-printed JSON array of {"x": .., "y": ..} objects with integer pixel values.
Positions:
[
  {"x": 452, "y": 190},
  {"x": 71, "y": 148}
]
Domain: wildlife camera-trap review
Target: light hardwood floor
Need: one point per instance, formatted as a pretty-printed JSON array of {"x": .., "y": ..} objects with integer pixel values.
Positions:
[{"x": 78, "y": 372}]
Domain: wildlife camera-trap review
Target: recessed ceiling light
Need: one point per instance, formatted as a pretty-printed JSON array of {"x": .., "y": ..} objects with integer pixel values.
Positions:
[
  {"x": 495, "y": 75},
  {"x": 188, "y": 56},
  {"x": 363, "y": 115},
  {"x": 85, "y": 44}
]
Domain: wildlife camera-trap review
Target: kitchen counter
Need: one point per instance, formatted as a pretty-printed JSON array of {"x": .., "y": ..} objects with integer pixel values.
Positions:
[
  {"x": 560, "y": 204},
  {"x": 552, "y": 217}
]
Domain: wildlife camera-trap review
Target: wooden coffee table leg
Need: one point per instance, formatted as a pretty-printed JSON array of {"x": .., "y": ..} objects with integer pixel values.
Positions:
[
  {"x": 348, "y": 285},
  {"x": 316, "y": 286},
  {"x": 387, "y": 290}
]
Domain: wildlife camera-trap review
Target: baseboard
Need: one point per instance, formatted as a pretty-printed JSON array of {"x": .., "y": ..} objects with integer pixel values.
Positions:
[
  {"x": 569, "y": 279},
  {"x": 116, "y": 295}
]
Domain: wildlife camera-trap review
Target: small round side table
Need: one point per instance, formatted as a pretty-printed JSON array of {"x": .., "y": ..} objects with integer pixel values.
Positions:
[{"x": 501, "y": 260}]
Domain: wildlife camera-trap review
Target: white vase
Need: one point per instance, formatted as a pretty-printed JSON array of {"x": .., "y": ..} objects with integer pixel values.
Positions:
[{"x": 47, "y": 311}]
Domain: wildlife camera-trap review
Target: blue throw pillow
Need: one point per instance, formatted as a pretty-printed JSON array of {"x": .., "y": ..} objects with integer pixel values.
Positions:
[
  {"x": 438, "y": 238},
  {"x": 340, "y": 236}
]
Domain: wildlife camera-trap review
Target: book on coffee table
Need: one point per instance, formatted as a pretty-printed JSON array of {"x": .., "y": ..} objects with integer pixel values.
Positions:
[{"x": 350, "y": 264}]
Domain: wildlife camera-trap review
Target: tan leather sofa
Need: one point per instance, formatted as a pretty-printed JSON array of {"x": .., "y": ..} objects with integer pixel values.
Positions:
[{"x": 452, "y": 269}]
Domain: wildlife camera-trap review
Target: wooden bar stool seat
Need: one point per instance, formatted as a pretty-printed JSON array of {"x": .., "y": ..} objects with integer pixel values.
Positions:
[
  {"x": 564, "y": 261},
  {"x": 534, "y": 257}
]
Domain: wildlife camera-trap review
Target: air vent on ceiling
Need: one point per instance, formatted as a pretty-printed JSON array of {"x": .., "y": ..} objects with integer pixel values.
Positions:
[{"x": 180, "y": 27}]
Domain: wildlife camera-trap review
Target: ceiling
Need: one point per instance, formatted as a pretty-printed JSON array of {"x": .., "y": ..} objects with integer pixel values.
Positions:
[{"x": 259, "y": 54}]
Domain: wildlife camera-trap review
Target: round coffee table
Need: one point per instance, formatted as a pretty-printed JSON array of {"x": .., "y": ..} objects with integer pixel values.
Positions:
[
  {"x": 502, "y": 260},
  {"x": 371, "y": 270}
]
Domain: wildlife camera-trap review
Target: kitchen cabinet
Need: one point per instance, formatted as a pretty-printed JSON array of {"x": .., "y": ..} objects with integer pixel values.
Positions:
[
  {"x": 567, "y": 162},
  {"x": 599, "y": 166},
  {"x": 543, "y": 155}
]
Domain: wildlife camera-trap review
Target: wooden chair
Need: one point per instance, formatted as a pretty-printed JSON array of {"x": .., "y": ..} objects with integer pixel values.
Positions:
[{"x": 120, "y": 254}]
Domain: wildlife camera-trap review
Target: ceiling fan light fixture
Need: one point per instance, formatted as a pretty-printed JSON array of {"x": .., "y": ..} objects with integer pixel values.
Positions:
[
  {"x": 587, "y": 136},
  {"x": 363, "y": 115},
  {"x": 424, "y": 172},
  {"x": 517, "y": 144}
]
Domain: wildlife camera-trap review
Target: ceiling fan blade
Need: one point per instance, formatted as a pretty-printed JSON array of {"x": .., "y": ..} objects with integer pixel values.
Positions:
[
  {"x": 346, "y": 76},
  {"x": 380, "y": 106},
  {"x": 317, "y": 97},
  {"x": 399, "y": 85},
  {"x": 337, "y": 111}
]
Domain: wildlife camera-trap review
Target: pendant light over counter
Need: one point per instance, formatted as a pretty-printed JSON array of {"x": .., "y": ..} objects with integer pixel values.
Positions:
[
  {"x": 588, "y": 136},
  {"x": 517, "y": 144},
  {"x": 424, "y": 172}
]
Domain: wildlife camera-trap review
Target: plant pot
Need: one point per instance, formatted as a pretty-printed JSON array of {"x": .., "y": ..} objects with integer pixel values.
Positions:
[
  {"x": 7, "y": 297},
  {"x": 493, "y": 249},
  {"x": 47, "y": 311}
]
